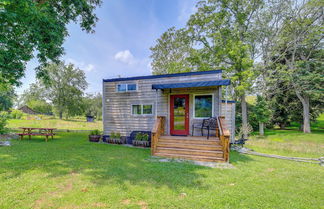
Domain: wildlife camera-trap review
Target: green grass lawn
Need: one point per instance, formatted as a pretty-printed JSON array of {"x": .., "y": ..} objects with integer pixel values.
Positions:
[
  {"x": 289, "y": 143},
  {"x": 73, "y": 124},
  {"x": 292, "y": 142},
  {"x": 70, "y": 172}
]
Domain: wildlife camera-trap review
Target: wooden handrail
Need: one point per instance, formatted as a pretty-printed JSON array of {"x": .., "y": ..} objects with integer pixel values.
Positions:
[
  {"x": 157, "y": 131},
  {"x": 224, "y": 136}
]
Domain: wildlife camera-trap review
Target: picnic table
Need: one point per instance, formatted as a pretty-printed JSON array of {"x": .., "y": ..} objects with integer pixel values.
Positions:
[{"x": 27, "y": 131}]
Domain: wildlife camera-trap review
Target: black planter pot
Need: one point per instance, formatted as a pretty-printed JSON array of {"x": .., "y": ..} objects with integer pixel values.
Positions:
[
  {"x": 141, "y": 143},
  {"x": 94, "y": 138},
  {"x": 114, "y": 141},
  {"x": 90, "y": 118},
  {"x": 104, "y": 139}
]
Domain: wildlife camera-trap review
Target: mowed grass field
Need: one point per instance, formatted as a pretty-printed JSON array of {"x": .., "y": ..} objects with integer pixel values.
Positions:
[
  {"x": 70, "y": 172},
  {"x": 73, "y": 124},
  {"x": 291, "y": 142}
]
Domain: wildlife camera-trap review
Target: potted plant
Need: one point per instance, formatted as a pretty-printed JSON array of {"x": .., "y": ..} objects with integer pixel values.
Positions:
[
  {"x": 141, "y": 139},
  {"x": 94, "y": 136},
  {"x": 115, "y": 138}
]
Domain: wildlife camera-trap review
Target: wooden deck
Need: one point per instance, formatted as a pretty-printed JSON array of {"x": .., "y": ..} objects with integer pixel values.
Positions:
[
  {"x": 198, "y": 148},
  {"x": 190, "y": 147}
]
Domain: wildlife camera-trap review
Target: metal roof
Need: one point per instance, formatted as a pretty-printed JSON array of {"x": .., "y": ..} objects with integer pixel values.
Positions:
[
  {"x": 224, "y": 82},
  {"x": 163, "y": 76}
]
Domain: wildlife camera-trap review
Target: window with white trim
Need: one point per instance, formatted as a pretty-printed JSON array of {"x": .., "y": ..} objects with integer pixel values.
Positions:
[
  {"x": 142, "y": 109},
  {"x": 126, "y": 87},
  {"x": 203, "y": 106}
]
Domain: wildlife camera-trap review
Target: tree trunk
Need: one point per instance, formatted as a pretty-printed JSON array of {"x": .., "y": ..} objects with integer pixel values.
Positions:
[
  {"x": 282, "y": 126},
  {"x": 244, "y": 116},
  {"x": 61, "y": 115},
  {"x": 261, "y": 128},
  {"x": 306, "y": 116}
]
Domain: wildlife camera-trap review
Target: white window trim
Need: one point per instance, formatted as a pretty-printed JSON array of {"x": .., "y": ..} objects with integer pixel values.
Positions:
[
  {"x": 142, "y": 114},
  {"x": 126, "y": 87},
  {"x": 194, "y": 105}
]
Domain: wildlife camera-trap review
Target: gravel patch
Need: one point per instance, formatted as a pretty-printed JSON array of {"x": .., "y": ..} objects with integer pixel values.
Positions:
[{"x": 200, "y": 163}]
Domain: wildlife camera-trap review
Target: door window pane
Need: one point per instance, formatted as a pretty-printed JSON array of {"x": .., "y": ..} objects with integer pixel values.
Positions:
[
  {"x": 179, "y": 113},
  {"x": 147, "y": 109},
  {"x": 203, "y": 106},
  {"x": 136, "y": 109}
]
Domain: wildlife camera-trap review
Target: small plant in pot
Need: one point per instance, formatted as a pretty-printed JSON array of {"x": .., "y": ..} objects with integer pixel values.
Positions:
[
  {"x": 115, "y": 138},
  {"x": 94, "y": 136},
  {"x": 141, "y": 139}
]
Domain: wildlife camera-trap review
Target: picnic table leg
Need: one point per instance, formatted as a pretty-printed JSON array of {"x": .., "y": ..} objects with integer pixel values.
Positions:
[
  {"x": 29, "y": 132},
  {"x": 21, "y": 137},
  {"x": 46, "y": 138}
]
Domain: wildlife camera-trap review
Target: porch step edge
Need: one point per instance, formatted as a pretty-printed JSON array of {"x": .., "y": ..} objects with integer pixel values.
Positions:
[{"x": 190, "y": 157}]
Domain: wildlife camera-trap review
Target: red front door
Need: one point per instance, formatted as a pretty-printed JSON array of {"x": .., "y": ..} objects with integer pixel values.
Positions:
[{"x": 179, "y": 114}]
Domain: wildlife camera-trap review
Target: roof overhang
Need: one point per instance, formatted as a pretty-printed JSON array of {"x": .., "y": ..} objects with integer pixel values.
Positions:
[
  {"x": 224, "y": 82},
  {"x": 164, "y": 76}
]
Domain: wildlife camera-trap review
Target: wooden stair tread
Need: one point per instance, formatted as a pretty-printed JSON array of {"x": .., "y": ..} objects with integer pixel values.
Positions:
[
  {"x": 189, "y": 137},
  {"x": 190, "y": 157},
  {"x": 191, "y": 150},
  {"x": 189, "y": 146},
  {"x": 212, "y": 142}
]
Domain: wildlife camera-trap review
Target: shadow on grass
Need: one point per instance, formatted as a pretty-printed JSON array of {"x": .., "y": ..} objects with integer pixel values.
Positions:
[
  {"x": 102, "y": 164},
  {"x": 236, "y": 157}
]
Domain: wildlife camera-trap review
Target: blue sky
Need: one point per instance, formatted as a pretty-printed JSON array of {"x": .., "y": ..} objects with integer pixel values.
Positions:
[{"x": 120, "y": 46}]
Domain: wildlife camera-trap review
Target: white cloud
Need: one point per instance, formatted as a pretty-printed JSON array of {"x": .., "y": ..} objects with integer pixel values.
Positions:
[
  {"x": 83, "y": 66},
  {"x": 125, "y": 56}
]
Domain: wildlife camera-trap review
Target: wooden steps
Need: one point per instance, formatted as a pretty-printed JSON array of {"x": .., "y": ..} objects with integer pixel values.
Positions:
[{"x": 190, "y": 148}]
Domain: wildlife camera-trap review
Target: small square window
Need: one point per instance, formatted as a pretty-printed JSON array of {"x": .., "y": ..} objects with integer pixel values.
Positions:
[
  {"x": 131, "y": 87},
  {"x": 136, "y": 109},
  {"x": 147, "y": 109},
  {"x": 121, "y": 87}
]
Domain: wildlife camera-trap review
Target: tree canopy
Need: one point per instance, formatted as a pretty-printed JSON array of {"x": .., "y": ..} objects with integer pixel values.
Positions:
[
  {"x": 257, "y": 43},
  {"x": 65, "y": 88},
  {"x": 38, "y": 28}
]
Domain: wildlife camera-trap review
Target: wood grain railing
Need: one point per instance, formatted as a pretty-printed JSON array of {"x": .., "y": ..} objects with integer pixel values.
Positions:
[
  {"x": 157, "y": 131},
  {"x": 224, "y": 137}
]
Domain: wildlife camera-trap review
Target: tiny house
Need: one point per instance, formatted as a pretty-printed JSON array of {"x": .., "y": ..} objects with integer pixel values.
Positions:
[{"x": 173, "y": 105}]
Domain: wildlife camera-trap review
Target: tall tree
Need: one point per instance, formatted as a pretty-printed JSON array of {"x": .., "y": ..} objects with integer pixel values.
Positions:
[
  {"x": 93, "y": 105},
  {"x": 172, "y": 52},
  {"x": 38, "y": 27},
  {"x": 220, "y": 35},
  {"x": 262, "y": 112},
  {"x": 297, "y": 53},
  {"x": 65, "y": 88}
]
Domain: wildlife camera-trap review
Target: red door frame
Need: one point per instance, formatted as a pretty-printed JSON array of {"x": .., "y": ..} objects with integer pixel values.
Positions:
[{"x": 186, "y": 130}]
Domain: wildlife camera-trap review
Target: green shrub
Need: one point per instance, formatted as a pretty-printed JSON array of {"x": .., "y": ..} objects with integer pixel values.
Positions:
[
  {"x": 141, "y": 136},
  {"x": 145, "y": 137},
  {"x": 112, "y": 135},
  {"x": 95, "y": 132},
  {"x": 138, "y": 136},
  {"x": 118, "y": 135},
  {"x": 16, "y": 114},
  {"x": 4, "y": 116}
]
